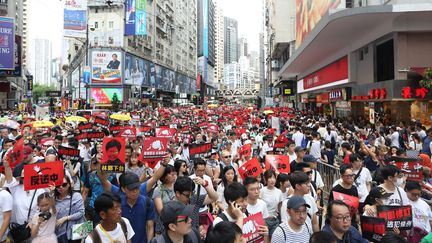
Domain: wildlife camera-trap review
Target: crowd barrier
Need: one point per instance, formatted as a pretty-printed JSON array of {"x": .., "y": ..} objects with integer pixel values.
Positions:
[{"x": 329, "y": 174}]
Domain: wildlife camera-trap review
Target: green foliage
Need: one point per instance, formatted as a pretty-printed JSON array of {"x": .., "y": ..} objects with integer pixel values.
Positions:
[
  {"x": 427, "y": 79},
  {"x": 115, "y": 102},
  {"x": 40, "y": 91}
]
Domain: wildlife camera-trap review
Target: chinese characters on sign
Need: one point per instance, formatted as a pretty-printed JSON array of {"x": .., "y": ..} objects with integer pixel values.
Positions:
[
  {"x": 113, "y": 150},
  {"x": 279, "y": 163},
  {"x": 374, "y": 94},
  {"x": 396, "y": 216},
  {"x": 250, "y": 228},
  {"x": 251, "y": 168},
  {"x": 373, "y": 229},
  {"x": 43, "y": 175},
  {"x": 418, "y": 92}
]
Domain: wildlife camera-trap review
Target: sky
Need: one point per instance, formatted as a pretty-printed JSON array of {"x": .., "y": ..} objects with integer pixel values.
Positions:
[
  {"x": 45, "y": 20},
  {"x": 248, "y": 13}
]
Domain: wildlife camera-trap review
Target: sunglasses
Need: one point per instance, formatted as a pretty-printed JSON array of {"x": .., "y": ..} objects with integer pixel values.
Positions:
[
  {"x": 309, "y": 173},
  {"x": 63, "y": 185},
  {"x": 182, "y": 219},
  {"x": 226, "y": 157},
  {"x": 184, "y": 166}
]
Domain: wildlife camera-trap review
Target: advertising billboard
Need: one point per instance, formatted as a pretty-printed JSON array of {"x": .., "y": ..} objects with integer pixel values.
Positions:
[
  {"x": 309, "y": 13},
  {"x": 106, "y": 67},
  {"x": 168, "y": 80},
  {"x": 17, "y": 55},
  {"x": 136, "y": 17},
  {"x": 158, "y": 71},
  {"x": 105, "y": 95},
  {"x": 75, "y": 18},
  {"x": 136, "y": 71},
  {"x": 152, "y": 75},
  {"x": 7, "y": 53}
]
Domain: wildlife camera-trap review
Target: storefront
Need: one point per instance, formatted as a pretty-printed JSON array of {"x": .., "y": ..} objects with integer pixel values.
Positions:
[
  {"x": 339, "y": 102},
  {"x": 323, "y": 103},
  {"x": 396, "y": 100}
]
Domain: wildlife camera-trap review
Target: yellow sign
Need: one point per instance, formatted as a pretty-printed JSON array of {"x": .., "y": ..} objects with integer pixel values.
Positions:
[{"x": 287, "y": 91}]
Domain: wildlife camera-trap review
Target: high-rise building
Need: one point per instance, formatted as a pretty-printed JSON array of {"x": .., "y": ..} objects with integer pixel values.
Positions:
[
  {"x": 206, "y": 42},
  {"x": 219, "y": 42},
  {"x": 40, "y": 60},
  {"x": 243, "y": 47},
  {"x": 25, "y": 33},
  {"x": 231, "y": 40}
]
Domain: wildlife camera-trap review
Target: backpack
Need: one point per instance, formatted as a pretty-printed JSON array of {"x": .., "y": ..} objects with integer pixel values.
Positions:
[
  {"x": 193, "y": 235},
  {"x": 96, "y": 237},
  {"x": 304, "y": 142}
]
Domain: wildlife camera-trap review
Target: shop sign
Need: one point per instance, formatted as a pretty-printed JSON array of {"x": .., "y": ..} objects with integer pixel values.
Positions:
[
  {"x": 318, "y": 99},
  {"x": 304, "y": 98},
  {"x": 288, "y": 91},
  {"x": 331, "y": 73},
  {"x": 337, "y": 95},
  {"x": 418, "y": 92},
  {"x": 374, "y": 94},
  {"x": 325, "y": 98}
]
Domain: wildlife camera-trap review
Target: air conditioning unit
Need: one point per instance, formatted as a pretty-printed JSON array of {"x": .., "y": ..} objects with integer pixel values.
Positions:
[{"x": 275, "y": 64}]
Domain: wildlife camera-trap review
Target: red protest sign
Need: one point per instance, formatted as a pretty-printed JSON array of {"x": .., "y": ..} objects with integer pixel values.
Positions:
[
  {"x": 213, "y": 128},
  {"x": 43, "y": 175},
  {"x": 144, "y": 131},
  {"x": 250, "y": 228},
  {"x": 101, "y": 122},
  {"x": 96, "y": 136},
  {"x": 115, "y": 130},
  {"x": 373, "y": 229},
  {"x": 396, "y": 216},
  {"x": 279, "y": 163},
  {"x": 154, "y": 149},
  {"x": 412, "y": 167},
  {"x": 245, "y": 150},
  {"x": 113, "y": 151},
  {"x": 128, "y": 132},
  {"x": 16, "y": 155},
  {"x": 85, "y": 127},
  {"x": 164, "y": 132},
  {"x": 281, "y": 142},
  {"x": 199, "y": 150},
  {"x": 349, "y": 200},
  {"x": 251, "y": 168},
  {"x": 69, "y": 153}
]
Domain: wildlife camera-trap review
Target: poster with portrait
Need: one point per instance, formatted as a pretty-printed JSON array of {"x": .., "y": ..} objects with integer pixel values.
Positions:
[
  {"x": 136, "y": 70},
  {"x": 152, "y": 75},
  {"x": 106, "y": 67},
  {"x": 159, "y": 78},
  {"x": 169, "y": 79},
  {"x": 113, "y": 151}
]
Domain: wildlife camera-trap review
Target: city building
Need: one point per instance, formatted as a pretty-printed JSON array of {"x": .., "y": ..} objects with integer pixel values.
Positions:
[
  {"x": 375, "y": 53},
  {"x": 40, "y": 61},
  {"x": 219, "y": 44},
  {"x": 230, "y": 40},
  {"x": 242, "y": 47},
  {"x": 13, "y": 81}
]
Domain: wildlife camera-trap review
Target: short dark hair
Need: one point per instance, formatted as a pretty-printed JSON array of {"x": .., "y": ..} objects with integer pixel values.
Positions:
[
  {"x": 354, "y": 157},
  {"x": 329, "y": 214},
  {"x": 7, "y": 140},
  {"x": 389, "y": 170},
  {"x": 224, "y": 231},
  {"x": 58, "y": 137},
  {"x": 113, "y": 143},
  {"x": 184, "y": 184},
  {"x": 412, "y": 185},
  {"x": 105, "y": 201},
  {"x": 199, "y": 161},
  {"x": 168, "y": 169},
  {"x": 391, "y": 237},
  {"x": 346, "y": 145},
  {"x": 300, "y": 166},
  {"x": 344, "y": 168},
  {"x": 235, "y": 191},
  {"x": 281, "y": 178},
  {"x": 249, "y": 180},
  {"x": 297, "y": 178},
  {"x": 322, "y": 236},
  {"x": 268, "y": 174}
]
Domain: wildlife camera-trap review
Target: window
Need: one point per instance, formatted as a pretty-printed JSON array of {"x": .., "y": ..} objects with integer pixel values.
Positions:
[
  {"x": 111, "y": 24},
  {"x": 385, "y": 61},
  {"x": 96, "y": 25},
  {"x": 110, "y": 40}
]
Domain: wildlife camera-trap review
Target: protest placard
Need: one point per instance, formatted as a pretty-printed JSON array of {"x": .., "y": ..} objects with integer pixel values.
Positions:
[
  {"x": 43, "y": 175},
  {"x": 279, "y": 163},
  {"x": 199, "y": 150},
  {"x": 251, "y": 226},
  {"x": 251, "y": 168},
  {"x": 373, "y": 229},
  {"x": 154, "y": 150},
  {"x": 113, "y": 151},
  {"x": 396, "y": 216},
  {"x": 69, "y": 153}
]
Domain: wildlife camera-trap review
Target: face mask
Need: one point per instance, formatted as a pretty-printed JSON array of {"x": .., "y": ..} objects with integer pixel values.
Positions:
[{"x": 399, "y": 182}]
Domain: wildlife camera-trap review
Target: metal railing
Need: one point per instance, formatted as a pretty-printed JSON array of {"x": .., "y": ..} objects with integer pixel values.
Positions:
[{"x": 329, "y": 174}]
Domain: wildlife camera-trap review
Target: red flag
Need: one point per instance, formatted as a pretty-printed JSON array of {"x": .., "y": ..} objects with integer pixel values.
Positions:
[
  {"x": 16, "y": 155},
  {"x": 250, "y": 168},
  {"x": 154, "y": 150},
  {"x": 43, "y": 175},
  {"x": 245, "y": 150},
  {"x": 349, "y": 200},
  {"x": 279, "y": 163}
]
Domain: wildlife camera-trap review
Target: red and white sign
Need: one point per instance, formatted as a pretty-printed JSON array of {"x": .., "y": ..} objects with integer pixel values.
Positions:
[
  {"x": 165, "y": 132},
  {"x": 16, "y": 155},
  {"x": 154, "y": 150},
  {"x": 336, "y": 71},
  {"x": 279, "y": 163},
  {"x": 251, "y": 168},
  {"x": 325, "y": 98},
  {"x": 251, "y": 226},
  {"x": 43, "y": 175},
  {"x": 245, "y": 150},
  {"x": 349, "y": 200},
  {"x": 213, "y": 128},
  {"x": 114, "y": 154},
  {"x": 128, "y": 132}
]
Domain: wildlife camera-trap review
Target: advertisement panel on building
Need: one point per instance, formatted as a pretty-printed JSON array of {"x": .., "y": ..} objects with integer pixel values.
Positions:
[
  {"x": 205, "y": 14},
  {"x": 334, "y": 72},
  {"x": 106, "y": 67},
  {"x": 136, "y": 71},
  {"x": 17, "y": 54},
  {"x": 3, "y": 7},
  {"x": 136, "y": 17},
  {"x": 75, "y": 18},
  {"x": 309, "y": 13},
  {"x": 158, "y": 72},
  {"x": 7, "y": 53},
  {"x": 105, "y": 95},
  {"x": 192, "y": 84},
  {"x": 168, "y": 80}
]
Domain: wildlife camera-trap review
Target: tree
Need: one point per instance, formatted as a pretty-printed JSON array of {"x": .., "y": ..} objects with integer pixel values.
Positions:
[
  {"x": 40, "y": 91},
  {"x": 115, "y": 102}
]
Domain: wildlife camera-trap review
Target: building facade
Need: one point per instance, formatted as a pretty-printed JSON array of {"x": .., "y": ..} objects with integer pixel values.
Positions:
[
  {"x": 219, "y": 44},
  {"x": 230, "y": 40},
  {"x": 40, "y": 61}
]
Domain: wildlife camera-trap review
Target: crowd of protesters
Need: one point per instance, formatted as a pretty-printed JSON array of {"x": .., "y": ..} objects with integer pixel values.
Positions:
[{"x": 205, "y": 199}]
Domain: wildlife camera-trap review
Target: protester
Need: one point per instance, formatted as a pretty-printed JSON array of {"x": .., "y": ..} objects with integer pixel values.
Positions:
[
  {"x": 225, "y": 232},
  {"x": 6, "y": 206},
  {"x": 43, "y": 222}
]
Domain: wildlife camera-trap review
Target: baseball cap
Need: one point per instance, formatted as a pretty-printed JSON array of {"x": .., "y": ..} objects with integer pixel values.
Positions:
[
  {"x": 295, "y": 202},
  {"x": 299, "y": 148},
  {"x": 173, "y": 209},
  {"x": 378, "y": 192},
  {"x": 129, "y": 180},
  {"x": 27, "y": 151},
  {"x": 309, "y": 158}
]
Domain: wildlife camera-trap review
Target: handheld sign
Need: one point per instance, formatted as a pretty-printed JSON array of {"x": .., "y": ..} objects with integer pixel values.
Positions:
[
  {"x": 101, "y": 122},
  {"x": 279, "y": 163},
  {"x": 373, "y": 229},
  {"x": 128, "y": 132},
  {"x": 351, "y": 201},
  {"x": 154, "y": 150},
  {"x": 43, "y": 175},
  {"x": 396, "y": 216},
  {"x": 164, "y": 132},
  {"x": 113, "y": 150},
  {"x": 250, "y": 228},
  {"x": 16, "y": 155},
  {"x": 245, "y": 150},
  {"x": 199, "y": 150},
  {"x": 251, "y": 168},
  {"x": 412, "y": 167},
  {"x": 69, "y": 153}
]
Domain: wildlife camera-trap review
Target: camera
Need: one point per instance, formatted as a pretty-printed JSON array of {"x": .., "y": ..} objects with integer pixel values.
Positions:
[{"x": 45, "y": 215}]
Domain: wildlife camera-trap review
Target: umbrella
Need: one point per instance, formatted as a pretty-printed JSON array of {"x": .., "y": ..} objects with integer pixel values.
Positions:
[
  {"x": 11, "y": 124},
  {"x": 212, "y": 106},
  {"x": 39, "y": 124},
  {"x": 121, "y": 117},
  {"x": 76, "y": 119},
  {"x": 266, "y": 112}
]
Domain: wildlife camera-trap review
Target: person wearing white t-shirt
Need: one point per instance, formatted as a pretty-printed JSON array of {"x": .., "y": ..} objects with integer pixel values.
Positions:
[
  {"x": 298, "y": 137},
  {"x": 422, "y": 214},
  {"x": 273, "y": 198},
  {"x": 255, "y": 204},
  {"x": 200, "y": 167},
  {"x": 5, "y": 210},
  {"x": 301, "y": 183},
  {"x": 393, "y": 183},
  {"x": 362, "y": 179},
  {"x": 113, "y": 227}
]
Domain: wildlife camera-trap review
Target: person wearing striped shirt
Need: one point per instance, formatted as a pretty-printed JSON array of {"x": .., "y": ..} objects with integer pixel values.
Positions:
[{"x": 296, "y": 229}]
